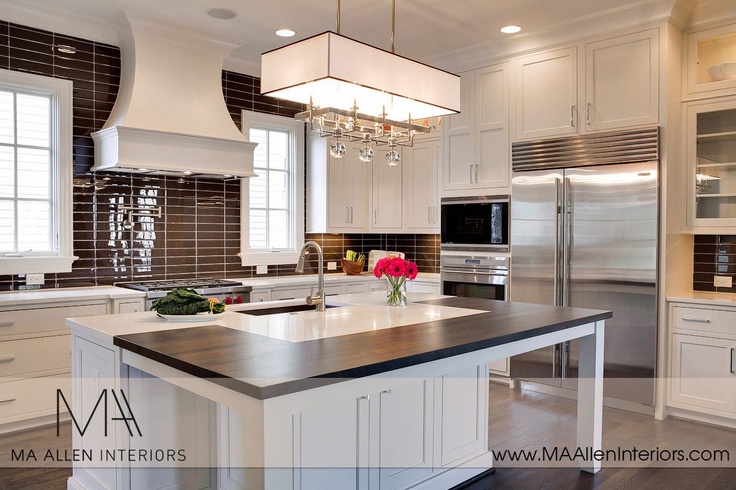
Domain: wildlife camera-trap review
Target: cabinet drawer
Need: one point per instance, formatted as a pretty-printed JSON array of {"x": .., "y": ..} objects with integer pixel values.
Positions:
[
  {"x": 704, "y": 320},
  {"x": 19, "y": 322},
  {"x": 35, "y": 356},
  {"x": 28, "y": 398}
]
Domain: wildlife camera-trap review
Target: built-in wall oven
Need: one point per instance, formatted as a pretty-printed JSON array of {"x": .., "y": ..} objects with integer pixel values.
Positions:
[
  {"x": 474, "y": 234},
  {"x": 474, "y": 276}
]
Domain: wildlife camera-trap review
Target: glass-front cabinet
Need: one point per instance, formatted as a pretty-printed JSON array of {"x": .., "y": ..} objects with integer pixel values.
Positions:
[
  {"x": 711, "y": 65},
  {"x": 711, "y": 158}
]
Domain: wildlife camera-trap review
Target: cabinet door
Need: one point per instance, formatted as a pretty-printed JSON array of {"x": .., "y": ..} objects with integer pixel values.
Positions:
[
  {"x": 458, "y": 139},
  {"x": 348, "y": 184},
  {"x": 405, "y": 433},
  {"x": 622, "y": 81},
  {"x": 711, "y": 160},
  {"x": 464, "y": 422},
  {"x": 703, "y": 372},
  {"x": 330, "y": 444},
  {"x": 545, "y": 94},
  {"x": 421, "y": 200},
  {"x": 387, "y": 200},
  {"x": 491, "y": 127}
]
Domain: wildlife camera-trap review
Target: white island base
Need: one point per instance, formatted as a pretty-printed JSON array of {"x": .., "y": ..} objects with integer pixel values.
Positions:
[{"x": 421, "y": 426}]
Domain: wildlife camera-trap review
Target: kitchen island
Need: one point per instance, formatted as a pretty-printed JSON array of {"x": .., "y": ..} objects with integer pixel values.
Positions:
[{"x": 358, "y": 396}]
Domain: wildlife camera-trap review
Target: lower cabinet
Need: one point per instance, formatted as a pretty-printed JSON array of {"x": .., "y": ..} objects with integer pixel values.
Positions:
[
  {"x": 393, "y": 438},
  {"x": 703, "y": 361},
  {"x": 704, "y": 372},
  {"x": 35, "y": 355}
]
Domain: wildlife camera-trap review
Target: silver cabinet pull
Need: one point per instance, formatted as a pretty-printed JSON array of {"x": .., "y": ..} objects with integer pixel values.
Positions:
[
  {"x": 374, "y": 216},
  {"x": 587, "y": 113},
  {"x": 7, "y": 399},
  {"x": 7, "y": 359},
  {"x": 695, "y": 320},
  {"x": 386, "y": 392},
  {"x": 429, "y": 214},
  {"x": 572, "y": 116},
  {"x": 733, "y": 361},
  {"x": 347, "y": 214},
  {"x": 471, "y": 174},
  {"x": 351, "y": 214},
  {"x": 364, "y": 397},
  {"x": 476, "y": 173},
  {"x": 7, "y": 324}
]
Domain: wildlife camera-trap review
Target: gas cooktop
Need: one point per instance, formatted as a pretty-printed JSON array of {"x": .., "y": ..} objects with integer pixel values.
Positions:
[{"x": 172, "y": 284}]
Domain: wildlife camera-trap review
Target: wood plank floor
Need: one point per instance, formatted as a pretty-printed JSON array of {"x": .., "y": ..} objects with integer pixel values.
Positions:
[{"x": 517, "y": 420}]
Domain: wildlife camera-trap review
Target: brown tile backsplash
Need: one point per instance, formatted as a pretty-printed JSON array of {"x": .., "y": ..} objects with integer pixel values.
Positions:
[
  {"x": 714, "y": 255},
  {"x": 198, "y": 233}
]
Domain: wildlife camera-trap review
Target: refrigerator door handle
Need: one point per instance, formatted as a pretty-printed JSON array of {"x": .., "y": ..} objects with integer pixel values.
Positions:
[
  {"x": 567, "y": 246},
  {"x": 558, "y": 243}
]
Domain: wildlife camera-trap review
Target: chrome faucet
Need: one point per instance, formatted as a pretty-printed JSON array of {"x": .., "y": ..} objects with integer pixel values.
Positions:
[{"x": 319, "y": 298}]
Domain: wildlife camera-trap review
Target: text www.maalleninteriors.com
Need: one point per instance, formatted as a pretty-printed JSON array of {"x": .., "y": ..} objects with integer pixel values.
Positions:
[{"x": 618, "y": 455}]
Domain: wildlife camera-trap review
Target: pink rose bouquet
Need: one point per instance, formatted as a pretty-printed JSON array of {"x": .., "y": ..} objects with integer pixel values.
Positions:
[{"x": 397, "y": 271}]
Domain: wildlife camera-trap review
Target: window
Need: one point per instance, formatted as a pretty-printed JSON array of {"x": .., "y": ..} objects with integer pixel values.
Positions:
[
  {"x": 35, "y": 174},
  {"x": 272, "y": 203}
]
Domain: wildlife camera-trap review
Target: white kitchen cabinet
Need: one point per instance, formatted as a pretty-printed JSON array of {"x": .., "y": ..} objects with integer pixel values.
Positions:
[
  {"x": 707, "y": 52},
  {"x": 703, "y": 372},
  {"x": 421, "y": 167},
  {"x": 475, "y": 142},
  {"x": 462, "y": 420},
  {"x": 405, "y": 415},
  {"x": 293, "y": 292},
  {"x": 620, "y": 79},
  {"x": 259, "y": 295},
  {"x": 392, "y": 428},
  {"x": 545, "y": 93},
  {"x": 703, "y": 360},
  {"x": 622, "y": 82},
  {"x": 710, "y": 146},
  {"x": 386, "y": 200},
  {"x": 94, "y": 372},
  {"x": 35, "y": 361},
  {"x": 128, "y": 305},
  {"x": 338, "y": 194},
  {"x": 423, "y": 286},
  {"x": 499, "y": 367}
]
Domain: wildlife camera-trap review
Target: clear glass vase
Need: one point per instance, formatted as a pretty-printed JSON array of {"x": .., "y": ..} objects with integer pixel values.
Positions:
[{"x": 396, "y": 294}]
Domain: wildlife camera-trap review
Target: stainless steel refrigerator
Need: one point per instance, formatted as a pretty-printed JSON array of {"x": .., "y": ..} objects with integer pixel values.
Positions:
[{"x": 587, "y": 237}]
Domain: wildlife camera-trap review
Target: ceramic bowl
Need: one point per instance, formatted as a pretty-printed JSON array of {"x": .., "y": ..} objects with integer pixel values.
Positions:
[{"x": 724, "y": 71}]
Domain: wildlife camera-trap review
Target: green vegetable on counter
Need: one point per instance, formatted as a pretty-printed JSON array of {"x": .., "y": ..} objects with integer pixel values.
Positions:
[
  {"x": 354, "y": 256},
  {"x": 186, "y": 302}
]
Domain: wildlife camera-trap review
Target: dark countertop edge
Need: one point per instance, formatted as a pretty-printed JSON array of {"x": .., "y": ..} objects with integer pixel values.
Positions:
[{"x": 302, "y": 384}]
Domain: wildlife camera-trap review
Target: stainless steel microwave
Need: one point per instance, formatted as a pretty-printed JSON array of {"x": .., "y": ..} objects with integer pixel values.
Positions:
[{"x": 475, "y": 223}]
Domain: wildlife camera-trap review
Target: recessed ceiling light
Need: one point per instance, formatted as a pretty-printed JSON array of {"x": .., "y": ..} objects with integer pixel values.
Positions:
[
  {"x": 221, "y": 13},
  {"x": 285, "y": 33},
  {"x": 510, "y": 29}
]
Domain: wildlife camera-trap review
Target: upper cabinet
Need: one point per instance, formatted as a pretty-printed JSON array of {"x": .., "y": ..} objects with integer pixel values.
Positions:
[
  {"x": 711, "y": 62},
  {"x": 421, "y": 186},
  {"x": 476, "y": 141},
  {"x": 345, "y": 195},
  {"x": 710, "y": 139},
  {"x": 545, "y": 92},
  {"x": 619, "y": 87}
]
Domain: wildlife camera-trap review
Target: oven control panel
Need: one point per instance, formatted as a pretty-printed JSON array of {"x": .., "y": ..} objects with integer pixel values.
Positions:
[{"x": 476, "y": 262}]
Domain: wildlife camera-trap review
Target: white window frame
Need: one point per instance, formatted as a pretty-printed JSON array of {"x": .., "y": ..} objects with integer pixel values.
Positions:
[
  {"x": 61, "y": 258},
  {"x": 296, "y": 199}
]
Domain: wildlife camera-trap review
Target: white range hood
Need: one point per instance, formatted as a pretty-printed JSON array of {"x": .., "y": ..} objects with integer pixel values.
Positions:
[{"x": 170, "y": 115}]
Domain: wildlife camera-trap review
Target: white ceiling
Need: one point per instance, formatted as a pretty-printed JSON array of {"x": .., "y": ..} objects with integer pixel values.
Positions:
[{"x": 433, "y": 31}]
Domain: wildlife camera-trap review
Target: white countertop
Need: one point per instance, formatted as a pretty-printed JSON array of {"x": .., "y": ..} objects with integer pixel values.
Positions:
[
  {"x": 704, "y": 297},
  {"x": 64, "y": 295},
  {"x": 105, "y": 327},
  {"x": 297, "y": 279}
]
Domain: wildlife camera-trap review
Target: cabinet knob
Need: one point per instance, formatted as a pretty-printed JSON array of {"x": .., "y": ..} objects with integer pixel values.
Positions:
[
  {"x": 7, "y": 324},
  {"x": 7, "y": 359}
]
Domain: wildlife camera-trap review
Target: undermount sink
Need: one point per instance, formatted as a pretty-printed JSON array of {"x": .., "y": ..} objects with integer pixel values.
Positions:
[{"x": 282, "y": 309}]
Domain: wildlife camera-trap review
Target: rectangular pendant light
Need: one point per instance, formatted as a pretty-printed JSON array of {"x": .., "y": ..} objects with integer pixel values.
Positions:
[{"x": 333, "y": 71}]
